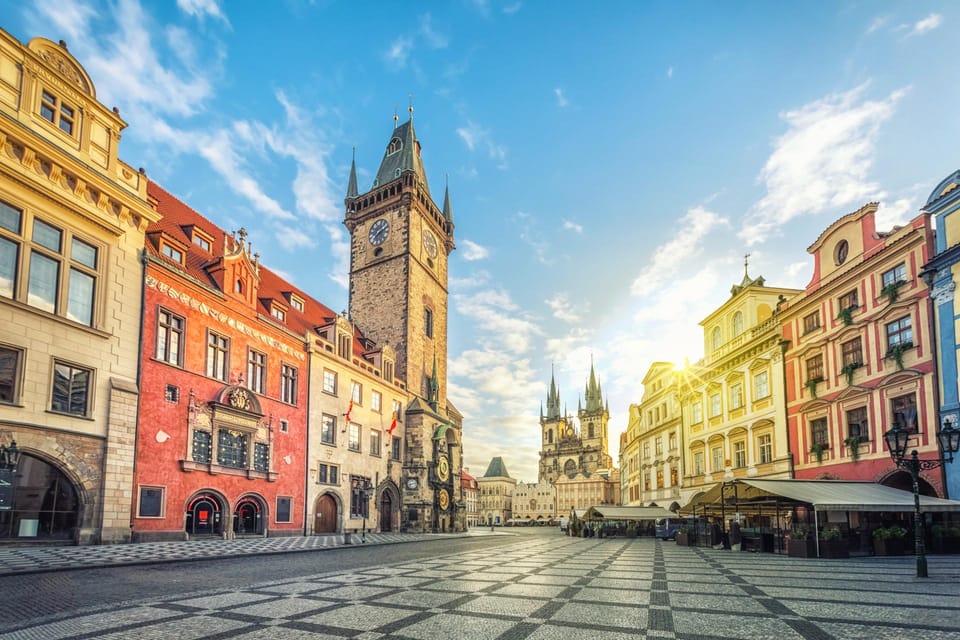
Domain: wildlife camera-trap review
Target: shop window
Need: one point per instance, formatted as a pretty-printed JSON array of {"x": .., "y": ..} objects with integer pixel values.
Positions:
[{"x": 150, "y": 504}]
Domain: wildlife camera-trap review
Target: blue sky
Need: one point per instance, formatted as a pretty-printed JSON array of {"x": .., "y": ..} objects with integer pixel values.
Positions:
[{"x": 609, "y": 163}]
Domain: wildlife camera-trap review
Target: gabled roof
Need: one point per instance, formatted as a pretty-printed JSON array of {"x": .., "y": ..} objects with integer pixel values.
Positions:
[
  {"x": 496, "y": 469},
  {"x": 404, "y": 159}
]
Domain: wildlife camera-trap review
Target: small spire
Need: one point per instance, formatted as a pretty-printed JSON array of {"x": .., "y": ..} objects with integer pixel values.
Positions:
[
  {"x": 410, "y": 108},
  {"x": 352, "y": 191},
  {"x": 447, "y": 210}
]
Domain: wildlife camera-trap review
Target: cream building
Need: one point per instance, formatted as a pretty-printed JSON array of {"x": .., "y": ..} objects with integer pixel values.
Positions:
[
  {"x": 658, "y": 443},
  {"x": 583, "y": 490},
  {"x": 72, "y": 221},
  {"x": 734, "y": 416},
  {"x": 471, "y": 497},
  {"x": 496, "y": 494},
  {"x": 536, "y": 501}
]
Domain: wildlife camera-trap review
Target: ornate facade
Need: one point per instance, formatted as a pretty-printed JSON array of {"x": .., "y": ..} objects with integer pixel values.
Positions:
[
  {"x": 655, "y": 467},
  {"x": 496, "y": 494}
]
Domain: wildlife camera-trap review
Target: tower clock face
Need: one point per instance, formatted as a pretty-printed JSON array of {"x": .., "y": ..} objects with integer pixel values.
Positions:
[
  {"x": 443, "y": 499},
  {"x": 429, "y": 243},
  {"x": 443, "y": 469},
  {"x": 379, "y": 232}
]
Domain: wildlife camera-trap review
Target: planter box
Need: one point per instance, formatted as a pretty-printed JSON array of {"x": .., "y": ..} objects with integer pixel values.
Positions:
[
  {"x": 683, "y": 539},
  {"x": 889, "y": 546},
  {"x": 834, "y": 549},
  {"x": 801, "y": 549},
  {"x": 945, "y": 545}
]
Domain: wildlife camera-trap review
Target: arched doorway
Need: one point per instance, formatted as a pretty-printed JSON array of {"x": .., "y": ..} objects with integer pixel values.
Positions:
[
  {"x": 325, "y": 514},
  {"x": 901, "y": 480},
  {"x": 386, "y": 512},
  {"x": 249, "y": 517},
  {"x": 204, "y": 516},
  {"x": 44, "y": 506}
]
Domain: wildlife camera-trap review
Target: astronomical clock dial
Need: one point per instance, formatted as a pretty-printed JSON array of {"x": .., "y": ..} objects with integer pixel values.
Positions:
[
  {"x": 429, "y": 243},
  {"x": 379, "y": 231},
  {"x": 412, "y": 483},
  {"x": 444, "y": 499},
  {"x": 443, "y": 469}
]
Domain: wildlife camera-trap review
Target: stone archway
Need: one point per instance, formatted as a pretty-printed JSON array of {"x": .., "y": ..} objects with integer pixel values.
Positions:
[
  {"x": 249, "y": 516},
  {"x": 205, "y": 514},
  {"x": 901, "y": 479},
  {"x": 45, "y": 504}
]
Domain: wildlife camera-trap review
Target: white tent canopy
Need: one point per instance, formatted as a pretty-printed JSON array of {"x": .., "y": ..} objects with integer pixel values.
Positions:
[
  {"x": 609, "y": 512},
  {"x": 823, "y": 495}
]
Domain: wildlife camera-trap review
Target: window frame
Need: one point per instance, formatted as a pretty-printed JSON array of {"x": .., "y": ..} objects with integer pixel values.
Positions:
[
  {"x": 739, "y": 454},
  {"x": 736, "y": 396},
  {"x": 376, "y": 401},
  {"x": 354, "y": 438},
  {"x": 849, "y": 300},
  {"x": 328, "y": 474},
  {"x": 765, "y": 448},
  {"x": 289, "y": 509},
  {"x": 760, "y": 392},
  {"x": 811, "y": 322},
  {"x": 16, "y": 374},
  {"x": 896, "y": 274},
  {"x": 356, "y": 393},
  {"x": 163, "y": 501},
  {"x": 88, "y": 391},
  {"x": 895, "y": 337},
  {"x": 56, "y": 106},
  {"x": 853, "y": 417},
  {"x": 166, "y": 330},
  {"x": 376, "y": 443},
  {"x": 428, "y": 322},
  {"x": 851, "y": 352},
  {"x": 217, "y": 364},
  {"x": 820, "y": 431},
  {"x": 328, "y": 423},
  {"x": 329, "y": 376},
  {"x": 895, "y": 411},
  {"x": 256, "y": 371},
  {"x": 814, "y": 372},
  {"x": 289, "y": 383}
]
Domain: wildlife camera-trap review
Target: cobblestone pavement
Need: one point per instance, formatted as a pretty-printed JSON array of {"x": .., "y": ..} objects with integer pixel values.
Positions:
[
  {"x": 546, "y": 588},
  {"x": 20, "y": 560}
]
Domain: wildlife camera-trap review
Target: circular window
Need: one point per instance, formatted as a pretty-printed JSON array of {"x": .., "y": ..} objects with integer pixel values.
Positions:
[{"x": 840, "y": 254}]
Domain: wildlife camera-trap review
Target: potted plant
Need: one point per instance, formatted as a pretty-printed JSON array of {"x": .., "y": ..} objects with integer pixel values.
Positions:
[
  {"x": 818, "y": 449},
  {"x": 800, "y": 545},
  {"x": 812, "y": 385},
  {"x": 889, "y": 541},
  {"x": 846, "y": 315},
  {"x": 890, "y": 290},
  {"x": 683, "y": 536},
  {"x": 853, "y": 444},
  {"x": 896, "y": 352},
  {"x": 945, "y": 539},
  {"x": 832, "y": 544},
  {"x": 848, "y": 370}
]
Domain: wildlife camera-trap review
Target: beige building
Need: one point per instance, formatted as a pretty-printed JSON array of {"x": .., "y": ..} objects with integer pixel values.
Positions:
[
  {"x": 72, "y": 221},
  {"x": 655, "y": 454},
  {"x": 583, "y": 491},
  {"x": 536, "y": 501},
  {"x": 734, "y": 416},
  {"x": 496, "y": 494}
]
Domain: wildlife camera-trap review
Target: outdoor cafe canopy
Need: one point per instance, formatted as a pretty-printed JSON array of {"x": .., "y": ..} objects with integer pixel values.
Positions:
[
  {"x": 822, "y": 495},
  {"x": 611, "y": 513}
]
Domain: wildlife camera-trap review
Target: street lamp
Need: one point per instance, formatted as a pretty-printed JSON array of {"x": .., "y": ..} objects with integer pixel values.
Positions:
[
  {"x": 948, "y": 440},
  {"x": 9, "y": 458},
  {"x": 363, "y": 488}
]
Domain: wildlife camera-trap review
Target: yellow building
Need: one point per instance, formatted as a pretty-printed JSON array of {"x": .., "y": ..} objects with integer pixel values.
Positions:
[
  {"x": 585, "y": 490},
  {"x": 72, "y": 221},
  {"x": 536, "y": 501},
  {"x": 734, "y": 417},
  {"x": 658, "y": 427}
]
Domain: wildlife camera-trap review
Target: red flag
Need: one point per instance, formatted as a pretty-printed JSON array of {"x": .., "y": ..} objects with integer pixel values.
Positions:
[
  {"x": 393, "y": 425},
  {"x": 349, "y": 409}
]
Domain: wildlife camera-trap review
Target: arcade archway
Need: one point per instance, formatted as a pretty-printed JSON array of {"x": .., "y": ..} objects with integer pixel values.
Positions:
[{"x": 45, "y": 504}]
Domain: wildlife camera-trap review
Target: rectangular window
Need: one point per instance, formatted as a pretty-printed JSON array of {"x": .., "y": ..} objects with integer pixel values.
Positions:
[
  {"x": 851, "y": 353},
  {"x": 202, "y": 446},
  {"x": 428, "y": 322},
  {"x": 736, "y": 396},
  {"x": 172, "y": 252},
  {"x": 857, "y": 426},
  {"x": 201, "y": 242},
  {"x": 169, "y": 337},
  {"x": 232, "y": 448},
  {"x": 218, "y": 347},
  {"x": 284, "y": 426},
  {"x": 261, "y": 457},
  {"x": 278, "y": 313},
  {"x": 900, "y": 333},
  {"x": 672, "y": 442},
  {"x": 256, "y": 371},
  {"x": 375, "y": 443},
  {"x": 895, "y": 275},
  {"x": 398, "y": 410},
  {"x": 353, "y": 437},
  {"x": 376, "y": 401},
  {"x": 328, "y": 429},
  {"x": 739, "y": 454},
  {"x": 904, "y": 410},
  {"x": 818, "y": 431},
  {"x": 296, "y": 303},
  {"x": 71, "y": 389},
  {"x": 815, "y": 368},
  {"x": 715, "y": 406},
  {"x": 150, "y": 503},
  {"x": 356, "y": 393},
  {"x": 395, "y": 449},
  {"x": 172, "y": 394},
  {"x": 761, "y": 385},
  {"x": 849, "y": 300},
  {"x": 10, "y": 363},
  {"x": 56, "y": 111},
  {"x": 811, "y": 322},
  {"x": 765, "y": 447},
  {"x": 716, "y": 454},
  {"x": 330, "y": 381},
  {"x": 646, "y": 450},
  {"x": 328, "y": 474},
  {"x": 283, "y": 509},
  {"x": 697, "y": 412},
  {"x": 698, "y": 463},
  {"x": 288, "y": 384},
  {"x": 658, "y": 446}
]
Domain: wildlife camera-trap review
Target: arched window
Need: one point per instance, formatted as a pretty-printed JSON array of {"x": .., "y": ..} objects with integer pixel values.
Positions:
[
  {"x": 394, "y": 146},
  {"x": 737, "y": 323},
  {"x": 549, "y": 436},
  {"x": 238, "y": 288},
  {"x": 717, "y": 340}
]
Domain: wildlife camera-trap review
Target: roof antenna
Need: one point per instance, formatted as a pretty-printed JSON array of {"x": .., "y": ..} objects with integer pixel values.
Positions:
[{"x": 395, "y": 116}]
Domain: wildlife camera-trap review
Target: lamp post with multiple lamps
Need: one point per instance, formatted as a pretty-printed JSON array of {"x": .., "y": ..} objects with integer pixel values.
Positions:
[
  {"x": 364, "y": 488},
  {"x": 948, "y": 440},
  {"x": 9, "y": 458}
]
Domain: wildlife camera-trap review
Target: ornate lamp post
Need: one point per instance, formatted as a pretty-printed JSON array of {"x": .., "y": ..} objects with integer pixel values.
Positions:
[
  {"x": 363, "y": 488},
  {"x": 9, "y": 458},
  {"x": 948, "y": 440}
]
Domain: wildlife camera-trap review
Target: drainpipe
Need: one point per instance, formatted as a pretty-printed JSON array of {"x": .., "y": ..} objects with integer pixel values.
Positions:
[
  {"x": 784, "y": 345},
  {"x": 136, "y": 431},
  {"x": 306, "y": 458}
]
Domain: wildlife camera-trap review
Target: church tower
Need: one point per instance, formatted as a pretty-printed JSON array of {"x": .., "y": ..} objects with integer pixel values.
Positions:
[{"x": 400, "y": 242}]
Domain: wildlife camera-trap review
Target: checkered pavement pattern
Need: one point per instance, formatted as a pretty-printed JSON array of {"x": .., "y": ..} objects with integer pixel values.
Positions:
[{"x": 549, "y": 588}]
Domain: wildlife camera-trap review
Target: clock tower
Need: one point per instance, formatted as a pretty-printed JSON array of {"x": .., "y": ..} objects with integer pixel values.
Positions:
[{"x": 400, "y": 242}]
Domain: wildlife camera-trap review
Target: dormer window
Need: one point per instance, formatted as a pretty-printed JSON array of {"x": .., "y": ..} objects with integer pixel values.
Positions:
[
  {"x": 278, "y": 313},
  {"x": 395, "y": 145},
  {"x": 296, "y": 303},
  {"x": 53, "y": 109},
  {"x": 238, "y": 287},
  {"x": 201, "y": 241},
  {"x": 172, "y": 252}
]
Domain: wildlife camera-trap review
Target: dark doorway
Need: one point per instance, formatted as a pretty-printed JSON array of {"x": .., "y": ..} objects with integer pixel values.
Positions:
[
  {"x": 204, "y": 516},
  {"x": 43, "y": 503},
  {"x": 248, "y": 518},
  {"x": 325, "y": 515},
  {"x": 386, "y": 512}
]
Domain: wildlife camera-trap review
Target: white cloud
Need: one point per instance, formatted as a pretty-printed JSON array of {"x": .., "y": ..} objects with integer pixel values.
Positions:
[
  {"x": 434, "y": 39},
  {"x": 572, "y": 226},
  {"x": 693, "y": 228},
  {"x": 878, "y": 23},
  {"x": 798, "y": 274},
  {"x": 563, "y": 310},
  {"x": 475, "y": 137},
  {"x": 929, "y": 23},
  {"x": 202, "y": 8},
  {"x": 561, "y": 99},
  {"x": 894, "y": 213},
  {"x": 398, "y": 52},
  {"x": 511, "y": 9},
  {"x": 495, "y": 314},
  {"x": 293, "y": 238},
  {"x": 473, "y": 251},
  {"x": 471, "y": 134},
  {"x": 821, "y": 163},
  {"x": 670, "y": 72}
]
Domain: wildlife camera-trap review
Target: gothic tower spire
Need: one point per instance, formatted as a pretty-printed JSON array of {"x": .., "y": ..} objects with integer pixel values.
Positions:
[{"x": 352, "y": 191}]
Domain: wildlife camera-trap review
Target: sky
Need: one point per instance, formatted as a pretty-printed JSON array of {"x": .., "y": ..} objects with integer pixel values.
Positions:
[{"x": 610, "y": 164}]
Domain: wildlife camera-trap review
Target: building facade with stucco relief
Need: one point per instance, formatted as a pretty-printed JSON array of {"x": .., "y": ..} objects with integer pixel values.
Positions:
[
  {"x": 72, "y": 222},
  {"x": 536, "y": 501},
  {"x": 659, "y": 438}
]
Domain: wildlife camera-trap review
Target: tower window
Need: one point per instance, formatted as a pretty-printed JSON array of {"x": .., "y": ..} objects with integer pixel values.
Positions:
[
  {"x": 395, "y": 145},
  {"x": 428, "y": 322}
]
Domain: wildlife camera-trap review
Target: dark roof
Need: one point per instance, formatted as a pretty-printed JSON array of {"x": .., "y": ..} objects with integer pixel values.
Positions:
[
  {"x": 497, "y": 469},
  {"x": 406, "y": 158}
]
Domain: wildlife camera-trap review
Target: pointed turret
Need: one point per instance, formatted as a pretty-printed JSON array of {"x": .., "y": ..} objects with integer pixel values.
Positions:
[
  {"x": 553, "y": 399},
  {"x": 352, "y": 191},
  {"x": 447, "y": 211},
  {"x": 593, "y": 394},
  {"x": 402, "y": 156}
]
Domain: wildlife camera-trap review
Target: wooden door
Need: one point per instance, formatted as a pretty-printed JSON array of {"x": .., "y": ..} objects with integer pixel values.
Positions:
[{"x": 325, "y": 515}]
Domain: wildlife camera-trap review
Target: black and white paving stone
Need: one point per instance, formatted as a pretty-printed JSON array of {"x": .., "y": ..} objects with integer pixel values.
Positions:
[{"x": 557, "y": 588}]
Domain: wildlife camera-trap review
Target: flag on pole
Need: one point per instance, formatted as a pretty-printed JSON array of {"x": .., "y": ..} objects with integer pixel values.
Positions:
[
  {"x": 349, "y": 409},
  {"x": 393, "y": 424}
]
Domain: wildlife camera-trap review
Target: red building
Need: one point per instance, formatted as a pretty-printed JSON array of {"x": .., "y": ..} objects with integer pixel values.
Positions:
[
  {"x": 860, "y": 358},
  {"x": 223, "y": 423}
]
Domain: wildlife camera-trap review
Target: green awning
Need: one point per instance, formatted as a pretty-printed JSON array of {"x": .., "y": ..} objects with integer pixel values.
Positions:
[{"x": 440, "y": 431}]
